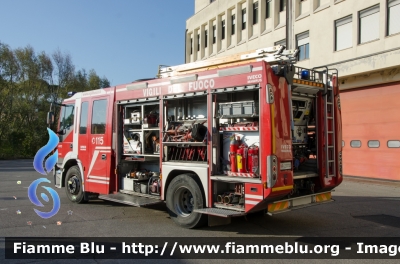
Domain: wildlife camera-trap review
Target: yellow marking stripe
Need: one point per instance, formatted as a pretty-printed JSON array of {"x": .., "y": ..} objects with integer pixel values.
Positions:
[
  {"x": 277, "y": 189},
  {"x": 323, "y": 197},
  {"x": 308, "y": 83},
  {"x": 278, "y": 206}
]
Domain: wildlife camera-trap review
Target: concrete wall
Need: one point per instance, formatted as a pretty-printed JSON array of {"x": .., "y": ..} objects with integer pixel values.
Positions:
[
  {"x": 377, "y": 61},
  {"x": 200, "y": 4}
]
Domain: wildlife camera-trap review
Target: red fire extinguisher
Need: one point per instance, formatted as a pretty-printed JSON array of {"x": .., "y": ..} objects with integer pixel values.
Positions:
[
  {"x": 241, "y": 156},
  {"x": 252, "y": 161},
  {"x": 233, "y": 146}
]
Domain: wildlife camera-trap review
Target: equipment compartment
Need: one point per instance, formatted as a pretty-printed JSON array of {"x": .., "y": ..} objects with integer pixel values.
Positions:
[
  {"x": 185, "y": 132},
  {"x": 140, "y": 177},
  {"x": 228, "y": 195},
  {"x": 238, "y": 109},
  {"x": 141, "y": 133},
  {"x": 304, "y": 135},
  {"x": 239, "y": 137}
]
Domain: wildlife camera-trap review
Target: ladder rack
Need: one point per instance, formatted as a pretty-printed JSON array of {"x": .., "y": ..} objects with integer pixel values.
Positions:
[
  {"x": 273, "y": 55},
  {"x": 329, "y": 124}
]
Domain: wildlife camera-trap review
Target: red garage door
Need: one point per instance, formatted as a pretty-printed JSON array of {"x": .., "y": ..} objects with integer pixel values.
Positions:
[{"x": 371, "y": 131}]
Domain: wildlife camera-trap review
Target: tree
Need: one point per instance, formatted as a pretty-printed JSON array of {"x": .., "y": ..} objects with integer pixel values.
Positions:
[
  {"x": 28, "y": 82},
  {"x": 105, "y": 82},
  {"x": 95, "y": 82},
  {"x": 9, "y": 75},
  {"x": 64, "y": 73}
]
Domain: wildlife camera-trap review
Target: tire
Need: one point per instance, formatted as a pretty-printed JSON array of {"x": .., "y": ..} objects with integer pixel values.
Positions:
[
  {"x": 73, "y": 185},
  {"x": 183, "y": 196}
]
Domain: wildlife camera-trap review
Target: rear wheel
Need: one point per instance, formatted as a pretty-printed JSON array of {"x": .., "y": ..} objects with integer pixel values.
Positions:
[
  {"x": 73, "y": 185},
  {"x": 183, "y": 196}
]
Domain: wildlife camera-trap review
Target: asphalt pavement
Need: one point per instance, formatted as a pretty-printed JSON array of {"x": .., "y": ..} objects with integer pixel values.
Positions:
[{"x": 362, "y": 208}]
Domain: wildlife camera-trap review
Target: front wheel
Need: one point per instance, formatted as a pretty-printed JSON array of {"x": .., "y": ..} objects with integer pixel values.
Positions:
[
  {"x": 73, "y": 185},
  {"x": 183, "y": 196}
]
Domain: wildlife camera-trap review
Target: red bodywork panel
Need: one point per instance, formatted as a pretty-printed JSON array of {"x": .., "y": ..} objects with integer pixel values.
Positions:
[
  {"x": 281, "y": 143},
  {"x": 207, "y": 81},
  {"x": 91, "y": 143}
]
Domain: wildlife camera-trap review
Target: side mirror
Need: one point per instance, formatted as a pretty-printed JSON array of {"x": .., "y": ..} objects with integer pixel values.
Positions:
[
  {"x": 62, "y": 132},
  {"x": 50, "y": 118}
]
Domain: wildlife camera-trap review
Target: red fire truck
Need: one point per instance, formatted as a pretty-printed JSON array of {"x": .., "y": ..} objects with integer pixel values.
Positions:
[{"x": 213, "y": 139}]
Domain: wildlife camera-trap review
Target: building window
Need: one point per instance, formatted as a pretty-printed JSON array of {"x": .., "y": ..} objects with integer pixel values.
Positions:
[
  {"x": 303, "y": 44},
  {"x": 84, "y": 118},
  {"x": 393, "y": 26},
  {"x": 99, "y": 116},
  {"x": 198, "y": 42},
  {"x": 243, "y": 18},
  {"x": 191, "y": 45},
  {"x": 205, "y": 38},
  {"x": 343, "y": 33},
  {"x": 319, "y": 3},
  {"x": 369, "y": 24},
  {"x": 373, "y": 144},
  {"x": 268, "y": 8},
  {"x": 281, "y": 42},
  {"x": 223, "y": 29},
  {"x": 393, "y": 144},
  {"x": 282, "y": 5},
  {"x": 233, "y": 25},
  {"x": 355, "y": 143},
  {"x": 214, "y": 34},
  {"x": 255, "y": 13}
]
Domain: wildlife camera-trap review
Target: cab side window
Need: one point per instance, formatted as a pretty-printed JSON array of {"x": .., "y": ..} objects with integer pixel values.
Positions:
[
  {"x": 99, "y": 115},
  {"x": 67, "y": 116}
]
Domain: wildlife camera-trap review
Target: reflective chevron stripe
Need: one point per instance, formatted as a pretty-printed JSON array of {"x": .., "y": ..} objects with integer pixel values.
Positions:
[
  {"x": 323, "y": 197},
  {"x": 278, "y": 206},
  {"x": 238, "y": 129}
]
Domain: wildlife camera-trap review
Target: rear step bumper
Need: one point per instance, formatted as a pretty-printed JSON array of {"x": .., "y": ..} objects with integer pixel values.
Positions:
[
  {"x": 219, "y": 212},
  {"x": 288, "y": 205},
  {"x": 277, "y": 207},
  {"x": 130, "y": 199}
]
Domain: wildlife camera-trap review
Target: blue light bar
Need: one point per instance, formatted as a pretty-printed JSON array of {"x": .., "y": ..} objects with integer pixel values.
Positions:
[{"x": 305, "y": 75}]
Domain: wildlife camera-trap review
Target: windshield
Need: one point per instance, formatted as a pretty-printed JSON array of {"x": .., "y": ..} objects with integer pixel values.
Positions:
[{"x": 67, "y": 116}]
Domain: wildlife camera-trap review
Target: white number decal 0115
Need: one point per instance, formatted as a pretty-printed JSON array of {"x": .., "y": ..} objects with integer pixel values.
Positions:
[{"x": 97, "y": 141}]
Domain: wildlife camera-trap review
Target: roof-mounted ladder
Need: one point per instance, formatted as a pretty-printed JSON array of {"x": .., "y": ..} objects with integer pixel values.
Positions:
[
  {"x": 273, "y": 55},
  {"x": 329, "y": 125}
]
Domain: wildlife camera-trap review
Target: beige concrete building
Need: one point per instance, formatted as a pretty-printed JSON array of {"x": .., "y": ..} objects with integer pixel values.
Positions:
[{"x": 359, "y": 38}]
